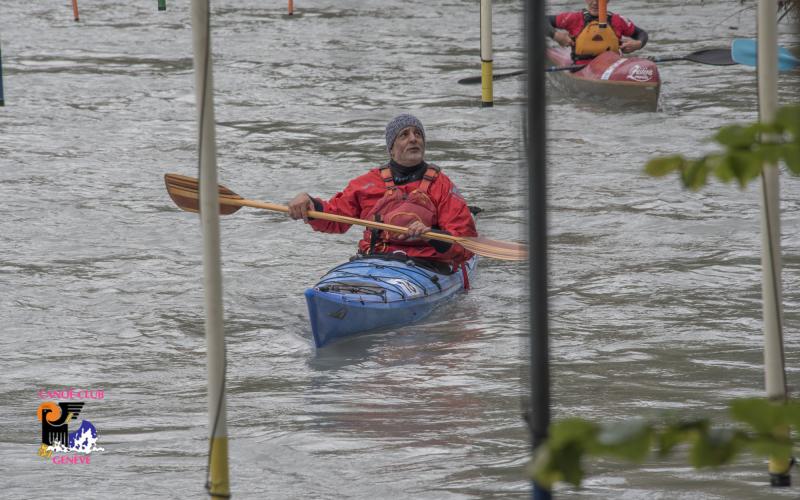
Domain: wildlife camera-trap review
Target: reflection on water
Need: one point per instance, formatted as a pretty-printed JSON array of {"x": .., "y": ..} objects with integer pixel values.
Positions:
[{"x": 655, "y": 290}]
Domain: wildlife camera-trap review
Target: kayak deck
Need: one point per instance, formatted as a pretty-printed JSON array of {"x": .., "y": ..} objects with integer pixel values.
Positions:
[{"x": 369, "y": 294}]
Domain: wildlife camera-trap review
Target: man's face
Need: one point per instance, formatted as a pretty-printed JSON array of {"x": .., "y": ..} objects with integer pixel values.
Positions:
[
  {"x": 409, "y": 147},
  {"x": 591, "y": 6}
]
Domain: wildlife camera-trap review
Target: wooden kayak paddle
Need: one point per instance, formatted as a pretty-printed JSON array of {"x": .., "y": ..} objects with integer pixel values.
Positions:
[{"x": 184, "y": 191}]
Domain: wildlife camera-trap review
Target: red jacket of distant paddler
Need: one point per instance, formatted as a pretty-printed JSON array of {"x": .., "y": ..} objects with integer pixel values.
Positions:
[
  {"x": 362, "y": 193},
  {"x": 574, "y": 23}
]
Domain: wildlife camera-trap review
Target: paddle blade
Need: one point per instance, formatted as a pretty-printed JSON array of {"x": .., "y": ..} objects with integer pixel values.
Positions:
[
  {"x": 477, "y": 79},
  {"x": 571, "y": 67},
  {"x": 185, "y": 192},
  {"x": 503, "y": 250},
  {"x": 745, "y": 51},
  {"x": 714, "y": 57}
]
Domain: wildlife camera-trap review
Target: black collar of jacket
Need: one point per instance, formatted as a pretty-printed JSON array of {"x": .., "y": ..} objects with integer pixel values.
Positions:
[{"x": 403, "y": 175}]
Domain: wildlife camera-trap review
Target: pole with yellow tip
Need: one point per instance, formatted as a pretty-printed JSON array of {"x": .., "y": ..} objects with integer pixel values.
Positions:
[
  {"x": 771, "y": 285},
  {"x": 218, "y": 484},
  {"x": 487, "y": 99}
]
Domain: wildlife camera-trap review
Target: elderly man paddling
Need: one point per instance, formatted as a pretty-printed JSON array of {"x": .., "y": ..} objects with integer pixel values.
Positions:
[{"x": 406, "y": 192}]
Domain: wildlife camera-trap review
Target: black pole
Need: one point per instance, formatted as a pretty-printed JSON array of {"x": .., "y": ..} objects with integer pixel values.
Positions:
[{"x": 536, "y": 126}]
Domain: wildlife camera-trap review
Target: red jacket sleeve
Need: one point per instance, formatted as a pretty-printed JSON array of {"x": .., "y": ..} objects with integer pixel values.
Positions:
[
  {"x": 570, "y": 21},
  {"x": 347, "y": 202},
  {"x": 622, "y": 25},
  {"x": 453, "y": 216}
]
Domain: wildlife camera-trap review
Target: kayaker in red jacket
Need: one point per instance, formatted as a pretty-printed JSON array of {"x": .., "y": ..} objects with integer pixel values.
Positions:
[
  {"x": 567, "y": 28},
  {"x": 405, "y": 192}
]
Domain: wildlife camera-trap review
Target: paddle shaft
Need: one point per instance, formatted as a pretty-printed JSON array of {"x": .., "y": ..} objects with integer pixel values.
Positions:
[
  {"x": 714, "y": 57},
  {"x": 667, "y": 59},
  {"x": 337, "y": 218},
  {"x": 477, "y": 79}
]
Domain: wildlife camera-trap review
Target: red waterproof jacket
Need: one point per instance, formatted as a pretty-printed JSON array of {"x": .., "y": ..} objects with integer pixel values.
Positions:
[
  {"x": 362, "y": 193},
  {"x": 574, "y": 23}
]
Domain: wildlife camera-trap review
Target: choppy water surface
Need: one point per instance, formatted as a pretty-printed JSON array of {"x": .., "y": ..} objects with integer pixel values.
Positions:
[{"x": 655, "y": 290}]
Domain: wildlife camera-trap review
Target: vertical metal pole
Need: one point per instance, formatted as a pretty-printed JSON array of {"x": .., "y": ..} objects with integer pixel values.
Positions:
[
  {"x": 291, "y": 7},
  {"x": 536, "y": 139},
  {"x": 75, "y": 10},
  {"x": 771, "y": 287},
  {"x": 487, "y": 99},
  {"x": 2, "y": 99},
  {"x": 218, "y": 485}
]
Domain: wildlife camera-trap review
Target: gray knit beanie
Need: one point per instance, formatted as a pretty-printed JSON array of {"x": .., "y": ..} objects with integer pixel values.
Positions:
[{"x": 397, "y": 124}]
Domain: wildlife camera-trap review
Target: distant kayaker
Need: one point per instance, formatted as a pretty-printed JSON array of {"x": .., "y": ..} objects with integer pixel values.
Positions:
[
  {"x": 581, "y": 30},
  {"x": 406, "y": 192}
]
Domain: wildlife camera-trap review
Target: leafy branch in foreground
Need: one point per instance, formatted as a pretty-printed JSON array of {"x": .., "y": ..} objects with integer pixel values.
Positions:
[
  {"x": 744, "y": 155},
  {"x": 560, "y": 457},
  {"x": 768, "y": 425}
]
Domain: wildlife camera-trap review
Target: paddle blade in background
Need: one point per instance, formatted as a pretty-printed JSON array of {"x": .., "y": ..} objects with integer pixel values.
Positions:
[
  {"x": 471, "y": 80},
  {"x": 745, "y": 51},
  {"x": 185, "y": 192},
  {"x": 714, "y": 57}
]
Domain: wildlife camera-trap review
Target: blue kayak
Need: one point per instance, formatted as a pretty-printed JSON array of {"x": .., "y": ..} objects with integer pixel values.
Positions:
[{"x": 373, "y": 293}]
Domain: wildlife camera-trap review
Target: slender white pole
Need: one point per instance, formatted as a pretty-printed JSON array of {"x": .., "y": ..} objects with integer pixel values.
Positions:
[
  {"x": 212, "y": 275},
  {"x": 771, "y": 287},
  {"x": 487, "y": 99},
  {"x": 770, "y": 213}
]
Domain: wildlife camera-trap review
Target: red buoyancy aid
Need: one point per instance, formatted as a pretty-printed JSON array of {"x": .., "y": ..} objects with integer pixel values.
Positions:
[{"x": 401, "y": 209}]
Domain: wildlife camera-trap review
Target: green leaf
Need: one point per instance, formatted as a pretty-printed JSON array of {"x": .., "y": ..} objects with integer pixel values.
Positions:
[
  {"x": 715, "y": 448},
  {"x": 543, "y": 469},
  {"x": 551, "y": 464},
  {"x": 568, "y": 461},
  {"x": 771, "y": 153},
  {"x": 788, "y": 117},
  {"x": 791, "y": 156},
  {"x": 570, "y": 430},
  {"x": 659, "y": 167},
  {"x": 675, "y": 433},
  {"x": 762, "y": 415},
  {"x": 629, "y": 440},
  {"x": 723, "y": 168},
  {"x": 770, "y": 446},
  {"x": 695, "y": 174},
  {"x": 737, "y": 136},
  {"x": 746, "y": 166}
]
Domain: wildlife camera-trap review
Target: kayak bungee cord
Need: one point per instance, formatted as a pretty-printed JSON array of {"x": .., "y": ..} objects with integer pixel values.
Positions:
[
  {"x": 401, "y": 270},
  {"x": 407, "y": 273}
]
